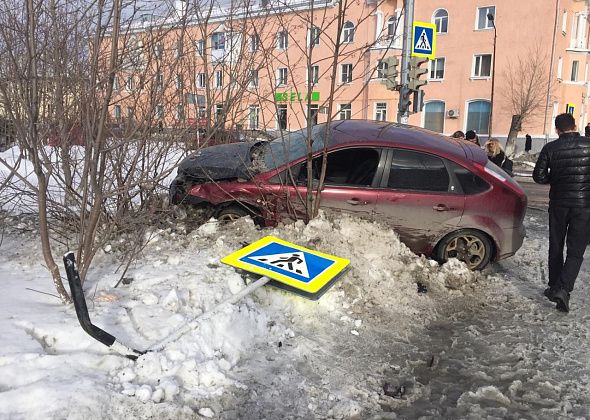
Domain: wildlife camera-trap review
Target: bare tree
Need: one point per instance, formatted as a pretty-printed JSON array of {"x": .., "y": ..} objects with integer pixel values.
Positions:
[{"x": 526, "y": 83}]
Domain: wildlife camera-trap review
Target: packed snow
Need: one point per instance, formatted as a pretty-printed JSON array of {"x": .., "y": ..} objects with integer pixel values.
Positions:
[{"x": 398, "y": 336}]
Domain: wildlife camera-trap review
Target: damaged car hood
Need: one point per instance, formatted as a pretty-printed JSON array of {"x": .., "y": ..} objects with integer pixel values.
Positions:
[{"x": 224, "y": 161}]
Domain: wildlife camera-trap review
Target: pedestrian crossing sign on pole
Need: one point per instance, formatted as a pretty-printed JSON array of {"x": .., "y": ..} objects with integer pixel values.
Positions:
[
  {"x": 424, "y": 40},
  {"x": 292, "y": 267}
]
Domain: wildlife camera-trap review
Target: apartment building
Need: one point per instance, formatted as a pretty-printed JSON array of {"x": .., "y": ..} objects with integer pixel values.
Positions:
[{"x": 272, "y": 65}]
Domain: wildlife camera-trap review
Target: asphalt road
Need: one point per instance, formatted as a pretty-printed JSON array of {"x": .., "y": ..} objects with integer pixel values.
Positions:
[{"x": 537, "y": 194}]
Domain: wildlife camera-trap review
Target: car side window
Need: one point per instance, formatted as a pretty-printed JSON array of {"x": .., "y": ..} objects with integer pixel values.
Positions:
[
  {"x": 470, "y": 183},
  {"x": 352, "y": 167},
  {"x": 417, "y": 171}
]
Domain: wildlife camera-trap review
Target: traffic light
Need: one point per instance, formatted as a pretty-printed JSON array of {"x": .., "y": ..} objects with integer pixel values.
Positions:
[
  {"x": 404, "y": 99},
  {"x": 418, "y": 104},
  {"x": 414, "y": 82},
  {"x": 391, "y": 72}
]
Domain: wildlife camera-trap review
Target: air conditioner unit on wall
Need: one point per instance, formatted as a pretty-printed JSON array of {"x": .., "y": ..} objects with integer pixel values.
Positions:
[{"x": 453, "y": 113}]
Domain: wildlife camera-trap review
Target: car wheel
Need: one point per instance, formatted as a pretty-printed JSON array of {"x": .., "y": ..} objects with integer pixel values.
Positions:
[
  {"x": 231, "y": 213},
  {"x": 472, "y": 247}
]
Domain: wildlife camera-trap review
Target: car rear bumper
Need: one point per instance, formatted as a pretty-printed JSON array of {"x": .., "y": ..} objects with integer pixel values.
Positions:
[{"x": 513, "y": 239}]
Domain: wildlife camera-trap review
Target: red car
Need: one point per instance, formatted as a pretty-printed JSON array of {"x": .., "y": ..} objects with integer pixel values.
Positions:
[{"x": 441, "y": 195}]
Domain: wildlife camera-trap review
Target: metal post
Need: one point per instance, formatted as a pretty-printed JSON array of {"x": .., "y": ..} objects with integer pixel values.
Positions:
[
  {"x": 491, "y": 18},
  {"x": 403, "y": 111}
]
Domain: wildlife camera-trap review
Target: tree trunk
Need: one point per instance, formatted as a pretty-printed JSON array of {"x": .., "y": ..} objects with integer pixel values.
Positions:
[{"x": 515, "y": 127}]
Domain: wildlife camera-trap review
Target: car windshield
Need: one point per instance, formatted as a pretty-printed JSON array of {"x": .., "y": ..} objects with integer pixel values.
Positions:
[{"x": 292, "y": 146}]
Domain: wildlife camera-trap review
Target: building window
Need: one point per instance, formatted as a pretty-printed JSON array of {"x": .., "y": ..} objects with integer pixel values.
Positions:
[
  {"x": 116, "y": 83},
  {"x": 200, "y": 46},
  {"x": 159, "y": 81},
  {"x": 575, "y": 66},
  {"x": 282, "y": 40},
  {"x": 160, "y": 112},
  {"x": 180, "y": 112},
  {"x": 218, "y": 78},
  {"x": 254, "y": 42},
  {"x": 482, "y": 65},
  {"x": 179, "y": 81},
  {"x": 382, "y": 67},
  {"x": 201, "y": 80},
  {"x": 559, "y": 68},
  {"x": 179, "y": 48},
  {"x": 564, "y": 21},
  {"x": 159, "y": 51},
  {"x": 218, "y": 41},
  {"x": 130, "y": 84},
  {"x": 282, "y": 76},
  {"x": 346, "y": 73},
  {"x": 348, "y": 32},
  {"x": 314, "y": 75},
  {"x": 482, "y": 17},
  {"x": 478, "y": 116},
  {"x": 434, "y": 116},
  {"x": 130, "y": 113},
  {"x": 312, "y": 114},
  {"x": 441, "y": 20},
  {"x": 314, "y": 36},
  {"x": 282, "y": 117},
  {"x": 578, "y": 38},
  {"x": 391, "y": 27},
  {"x": 437, "y": 69},
  {"x": 253, "y": 79},
  {"x": 254, "y": 114},
  {"x": 345, "y": 111},
  {"x": 381, "y": 111},
  {"x": 218, "y": 112},
  {"x": 117, "y": 113}
]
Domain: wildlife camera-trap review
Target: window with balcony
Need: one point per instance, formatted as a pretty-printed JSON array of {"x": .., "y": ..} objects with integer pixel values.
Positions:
[
  {"x": 437, "y": 69},
  {"x": 381, "y": 111},
  {"x": 282, "y": 40},
  {"x": 346, "y": 73},
  {"x": 348, "y": 32},
  {"x": 482, "y": 17},
  {"x": 345, "y": 111},
  {"x": 441, "y": 20},
  {"x": 282, "y": 74},
  {"x": 482, "y": 65}
]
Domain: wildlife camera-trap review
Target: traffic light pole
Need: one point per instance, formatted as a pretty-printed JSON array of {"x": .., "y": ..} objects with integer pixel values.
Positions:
[{"x": 404, "y": 92}]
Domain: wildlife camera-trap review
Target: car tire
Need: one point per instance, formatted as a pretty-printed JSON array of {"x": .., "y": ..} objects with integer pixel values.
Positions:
[
  {"x": 471, "y": 246},
  {"x": 231, "y": 213}
]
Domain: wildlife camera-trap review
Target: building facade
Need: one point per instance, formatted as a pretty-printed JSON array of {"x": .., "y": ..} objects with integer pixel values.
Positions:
[{"x": 277, "y": 66}]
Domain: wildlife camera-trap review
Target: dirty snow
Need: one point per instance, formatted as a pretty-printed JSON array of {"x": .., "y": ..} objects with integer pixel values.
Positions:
[{"x": 474, "y": 345}]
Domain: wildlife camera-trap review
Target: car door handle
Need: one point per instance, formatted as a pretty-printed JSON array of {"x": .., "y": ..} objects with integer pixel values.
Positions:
[
  {"x": 356, "y": 202},
  {"x": 440, "y": 207}
]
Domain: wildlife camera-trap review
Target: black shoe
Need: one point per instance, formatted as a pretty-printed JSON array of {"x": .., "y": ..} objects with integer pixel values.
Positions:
[
  {"x": 550, "y": 294},
  {"x": 562, "y": 298}
]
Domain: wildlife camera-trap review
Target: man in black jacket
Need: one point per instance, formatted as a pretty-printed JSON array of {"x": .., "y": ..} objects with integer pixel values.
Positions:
[{"x": 565, "y": 164}]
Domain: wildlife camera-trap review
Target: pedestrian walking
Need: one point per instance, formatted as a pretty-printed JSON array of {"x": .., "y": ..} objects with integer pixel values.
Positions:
[
  {"x": 587, "y": 130},
  {"x": 497, "y": 155},
  {"x": 528, "y": 143},
  {"x": 458, "y": 135},
  {"x": 472, "y": 137},
  {"x": 563, "y": 163}
]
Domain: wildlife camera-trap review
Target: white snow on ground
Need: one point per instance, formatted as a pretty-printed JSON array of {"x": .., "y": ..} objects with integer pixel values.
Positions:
[{"x": 473, "y": 346}]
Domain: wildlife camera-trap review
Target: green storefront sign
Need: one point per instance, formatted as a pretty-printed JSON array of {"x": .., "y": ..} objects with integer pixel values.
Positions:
[{"x": 296, "y": 96}]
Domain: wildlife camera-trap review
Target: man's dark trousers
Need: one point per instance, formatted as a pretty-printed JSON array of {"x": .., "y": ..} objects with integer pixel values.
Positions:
[{"x": 573, "y": 223}]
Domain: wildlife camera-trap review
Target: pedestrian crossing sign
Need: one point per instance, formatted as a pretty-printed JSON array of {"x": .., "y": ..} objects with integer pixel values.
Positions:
[
  {"x": 303, "y": 271},
  {"x": 424, "y": 40}
]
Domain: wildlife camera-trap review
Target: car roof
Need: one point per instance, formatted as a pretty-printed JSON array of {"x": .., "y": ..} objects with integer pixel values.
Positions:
[{"x": 350, "y": 132}]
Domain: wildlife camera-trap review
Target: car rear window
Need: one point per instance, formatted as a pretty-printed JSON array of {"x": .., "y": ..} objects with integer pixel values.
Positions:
[
  {"x": 411, "y": 170},
  {"x": 470, "y": 183}
]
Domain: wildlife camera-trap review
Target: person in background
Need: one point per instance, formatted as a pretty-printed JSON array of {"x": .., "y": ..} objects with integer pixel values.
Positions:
[
  {"x": 496, "y": 155},
  {"x": 472, "y": 137},
  {"x": 528, "y": 143},
  {"x": 587, "y": 130},
  {"x": 563, "y": 163},
  {"x": 458, "y": 135}
]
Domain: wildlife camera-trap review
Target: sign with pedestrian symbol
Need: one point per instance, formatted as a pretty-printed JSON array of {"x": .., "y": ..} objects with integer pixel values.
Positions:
[
  {"x": 424, "y": 40},
  {"x": 292, "y": 267}
]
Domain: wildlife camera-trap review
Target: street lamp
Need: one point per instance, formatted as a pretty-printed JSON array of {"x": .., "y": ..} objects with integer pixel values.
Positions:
[{"x": 491, "y": 19}]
